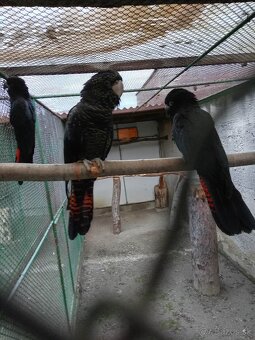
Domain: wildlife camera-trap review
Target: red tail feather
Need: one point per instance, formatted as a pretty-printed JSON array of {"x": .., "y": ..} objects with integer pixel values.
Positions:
[
  {"x": 17, "y": 159},
  {"x": 88, "y": 204},
  {"x": 81, "y": 207},
  {"x": 207, "y": 194}
]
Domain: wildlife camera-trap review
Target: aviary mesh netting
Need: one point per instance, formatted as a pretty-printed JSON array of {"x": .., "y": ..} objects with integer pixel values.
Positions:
[
  {"x": 39, "y": 41},
  {"x": 202, "y": 46}
]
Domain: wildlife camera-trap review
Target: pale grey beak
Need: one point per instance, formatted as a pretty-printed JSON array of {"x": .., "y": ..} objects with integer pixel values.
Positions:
[{"x": 118, "y": 88}]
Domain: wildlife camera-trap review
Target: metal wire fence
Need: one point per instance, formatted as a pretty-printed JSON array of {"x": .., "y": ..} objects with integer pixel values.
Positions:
[{"x": 38, "y": 263}]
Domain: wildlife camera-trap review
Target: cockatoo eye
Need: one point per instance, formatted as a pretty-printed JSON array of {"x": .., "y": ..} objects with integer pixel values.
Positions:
[
  {"x": 170, "y": 104},
  {"x": 5, "y": 85}
]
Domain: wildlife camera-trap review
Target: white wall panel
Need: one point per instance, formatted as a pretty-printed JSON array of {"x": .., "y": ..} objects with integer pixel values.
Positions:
[{"x": 133, "y": 189}]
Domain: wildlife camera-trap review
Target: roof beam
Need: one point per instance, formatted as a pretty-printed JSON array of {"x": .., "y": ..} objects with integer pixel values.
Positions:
[
  {"x": 101, "y": 3},
  {"x": 127, "y": 65},
  {"x": 132, "y": 115}
]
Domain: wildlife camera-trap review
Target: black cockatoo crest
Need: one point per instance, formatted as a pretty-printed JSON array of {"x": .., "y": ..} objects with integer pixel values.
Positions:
[
  {"x": 178, "y": 98},
  {"x": 16, "y": 87},
  {"x": 98, "y": 90}
]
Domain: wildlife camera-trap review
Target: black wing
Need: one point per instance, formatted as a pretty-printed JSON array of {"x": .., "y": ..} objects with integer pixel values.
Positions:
[
  {"x": 74, "y": 137},
  {"x": 198, "y": 141},
  {"x": 22, "y": 118},
  {"x": 191, "y": 132}
]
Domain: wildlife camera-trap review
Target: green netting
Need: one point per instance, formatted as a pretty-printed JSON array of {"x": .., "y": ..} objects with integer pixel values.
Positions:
[{"x": 38, "y": 264}]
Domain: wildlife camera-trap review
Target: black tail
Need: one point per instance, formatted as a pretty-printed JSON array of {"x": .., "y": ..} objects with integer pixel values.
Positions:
[
  {"x": 21, "y": 157},
  {"x": 81, "y": 207},
  {"x": 231, "y": 214},
  {"x": 67, "y": 195}
]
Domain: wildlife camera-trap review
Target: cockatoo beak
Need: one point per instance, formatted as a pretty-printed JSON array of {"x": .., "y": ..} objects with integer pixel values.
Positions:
[{"x": 118, "y": 88}]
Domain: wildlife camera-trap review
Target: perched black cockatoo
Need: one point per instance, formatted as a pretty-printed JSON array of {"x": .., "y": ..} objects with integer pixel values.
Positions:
[
  {"x": 88, "y": 136},
  {"x": 195, "y": 135},
  {"x": 22, "y": 118}
]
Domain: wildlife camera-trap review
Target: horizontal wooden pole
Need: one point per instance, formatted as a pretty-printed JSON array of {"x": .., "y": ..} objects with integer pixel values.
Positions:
[{"x": 62, "y": 172}]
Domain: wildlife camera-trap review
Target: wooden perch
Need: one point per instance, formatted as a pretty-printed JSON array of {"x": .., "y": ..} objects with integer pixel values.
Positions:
[{"x": 62, "y": 172}]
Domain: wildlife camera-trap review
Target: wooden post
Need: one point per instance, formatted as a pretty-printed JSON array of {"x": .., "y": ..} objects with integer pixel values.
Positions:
[
  {"x": 203, "y": 242},
  {"x": 161, "y": 194},
  {"x": 116, "y": 205}
]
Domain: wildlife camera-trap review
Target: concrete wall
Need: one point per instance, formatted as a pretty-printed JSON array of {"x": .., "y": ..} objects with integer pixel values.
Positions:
[{"x": 234, "y": 113}]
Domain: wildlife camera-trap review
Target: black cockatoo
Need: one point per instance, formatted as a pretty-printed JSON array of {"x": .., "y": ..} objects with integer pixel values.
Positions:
[
  {"x": 88, "y": 135},
  {"x": 195, "y": 135},
  {"x": 22, "y": 118}
]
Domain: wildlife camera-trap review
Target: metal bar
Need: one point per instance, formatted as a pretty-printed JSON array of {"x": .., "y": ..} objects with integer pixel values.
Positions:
[
  {"x": 64, "y": 95},
  {"x": 137, "y": 140},
  {"x": 128, "y": 65},
  {"x": 61, "y": 276},
  {"x": 24, "y": 272},
  {"x": 34, "y": 255},
  {"x": 226, "y": 36},
  {"x": 44, "y": 106},
  {"x": 68, "y": 251},
  {"x": 49, "y": 202},
  {"x": 38, "y": 134},
  {"x": 72, "y": 171}
]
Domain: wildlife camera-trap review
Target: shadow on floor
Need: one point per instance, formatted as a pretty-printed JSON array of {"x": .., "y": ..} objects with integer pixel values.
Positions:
[{"x": 119, "y": 266}]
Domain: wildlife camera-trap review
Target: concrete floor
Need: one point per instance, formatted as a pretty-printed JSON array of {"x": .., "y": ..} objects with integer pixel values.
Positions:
[{"x": 119, "y": 266}]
